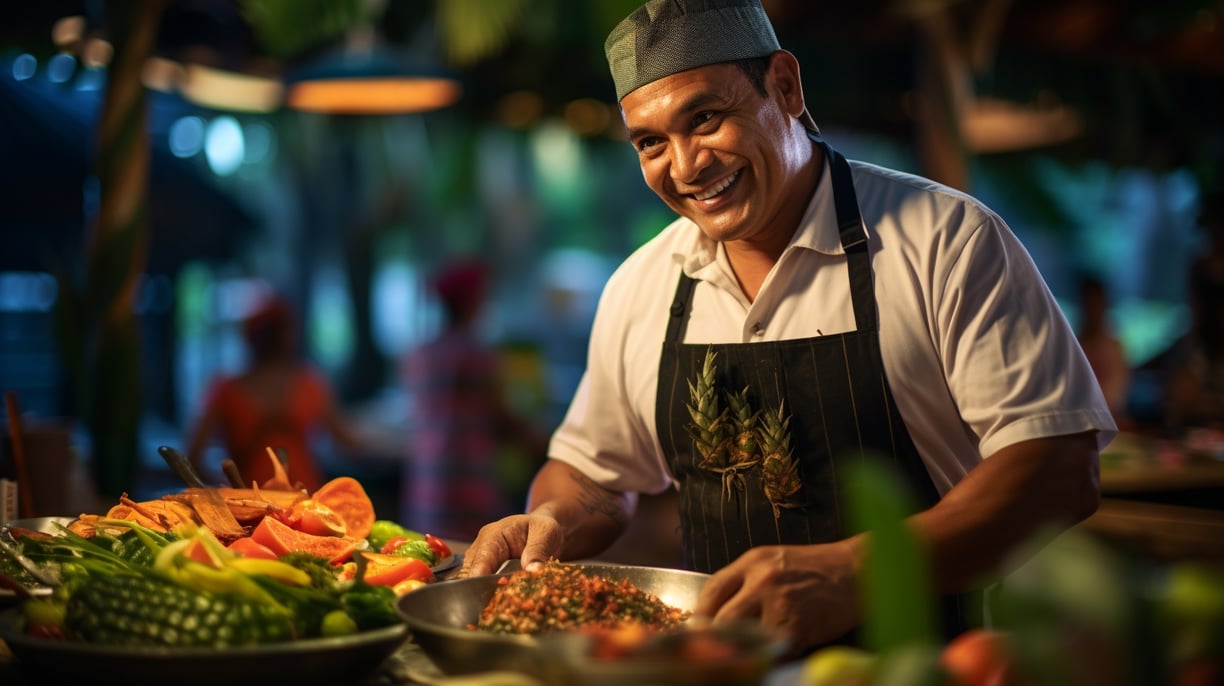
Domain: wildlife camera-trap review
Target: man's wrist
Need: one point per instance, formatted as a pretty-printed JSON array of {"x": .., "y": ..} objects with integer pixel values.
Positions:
[{"x": 854, "y": 552}]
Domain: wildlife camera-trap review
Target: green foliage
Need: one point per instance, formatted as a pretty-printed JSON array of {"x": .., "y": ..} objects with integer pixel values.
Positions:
[
  {"x": 1072, "y": 591},
  {"x": 898, "y": 597},
  {"x": 475, "y": 29},
  {"x": 286, "y": 28}
]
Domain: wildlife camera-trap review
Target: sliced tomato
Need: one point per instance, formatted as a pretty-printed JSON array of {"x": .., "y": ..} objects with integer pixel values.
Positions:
[
  {"x": 393, "y": 543},
  {"x": 439, "y": 546},
  {"x": 389, "y": 570},
  {"x": 249, "y": 547}
]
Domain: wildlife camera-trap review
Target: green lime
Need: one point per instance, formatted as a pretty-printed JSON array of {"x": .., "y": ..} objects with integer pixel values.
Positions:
[
  {"x": 338, "y": 623},
  {"x": 39, "y": 612}
]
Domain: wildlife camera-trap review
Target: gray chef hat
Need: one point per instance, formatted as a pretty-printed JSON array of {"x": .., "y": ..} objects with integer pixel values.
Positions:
[{"x": 665, "y": 37}]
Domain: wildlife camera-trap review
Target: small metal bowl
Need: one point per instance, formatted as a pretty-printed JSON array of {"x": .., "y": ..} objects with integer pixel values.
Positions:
[
  {"x": 438, "y": 617},
  {"x": 46, "y": 525}
]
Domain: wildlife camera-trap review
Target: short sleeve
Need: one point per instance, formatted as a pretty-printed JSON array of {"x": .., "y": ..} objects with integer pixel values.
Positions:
[{"x": 1014, "y": 366}]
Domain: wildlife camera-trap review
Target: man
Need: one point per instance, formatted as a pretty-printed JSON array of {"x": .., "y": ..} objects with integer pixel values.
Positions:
[{"x": 920, "y": 332}]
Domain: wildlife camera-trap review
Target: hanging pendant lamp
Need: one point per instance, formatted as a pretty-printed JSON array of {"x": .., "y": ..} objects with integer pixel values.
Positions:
[{"x": 368, "y": 77}]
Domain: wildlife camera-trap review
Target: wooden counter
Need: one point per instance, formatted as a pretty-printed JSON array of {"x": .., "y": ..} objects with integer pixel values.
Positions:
[
  {"x": 1160, "y": 531},
  {"x": 1152, "y": 477},
  {"x": 1162, "y": 498}
]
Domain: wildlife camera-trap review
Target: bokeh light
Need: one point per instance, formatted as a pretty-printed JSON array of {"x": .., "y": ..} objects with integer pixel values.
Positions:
[{"x": 224, "y": 145}]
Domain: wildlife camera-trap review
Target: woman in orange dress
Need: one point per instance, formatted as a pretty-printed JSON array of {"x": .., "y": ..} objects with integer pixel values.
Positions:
[{"x": 280, "y": 401}]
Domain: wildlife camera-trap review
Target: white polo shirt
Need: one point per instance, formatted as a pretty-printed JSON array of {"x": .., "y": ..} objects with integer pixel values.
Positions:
[{"x": 976, "y": 350}]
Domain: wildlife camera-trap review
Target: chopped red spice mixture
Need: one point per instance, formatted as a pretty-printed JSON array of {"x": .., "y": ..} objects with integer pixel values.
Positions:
[{"x": 561, "y": 596}]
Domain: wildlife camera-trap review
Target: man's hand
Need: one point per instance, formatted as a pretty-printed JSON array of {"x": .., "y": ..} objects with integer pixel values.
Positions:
[
  {"x": 569, "y": 517},
  {"x": 532, "y": 537},
  {"x": 806, "y": 595}
]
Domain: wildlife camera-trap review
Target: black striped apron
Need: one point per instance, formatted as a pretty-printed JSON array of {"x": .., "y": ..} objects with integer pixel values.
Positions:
[{"x": 832, "y": 388}]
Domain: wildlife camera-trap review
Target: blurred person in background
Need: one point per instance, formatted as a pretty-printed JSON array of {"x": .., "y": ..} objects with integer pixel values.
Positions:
[
  {"x": 1194, "y": 381},
  {"x": 280, "y": 401},
  {"x": 459, "y": 417},
  {"x": 1101, "y": 346}
]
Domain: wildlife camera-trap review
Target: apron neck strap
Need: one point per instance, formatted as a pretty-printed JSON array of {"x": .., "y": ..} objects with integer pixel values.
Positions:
[
  {"x": 853, "y": 237},
  {"x": 853, "y": 240}
]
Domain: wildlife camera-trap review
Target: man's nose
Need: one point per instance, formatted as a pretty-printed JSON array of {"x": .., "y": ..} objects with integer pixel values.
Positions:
[{"x": 688, "y": 160}]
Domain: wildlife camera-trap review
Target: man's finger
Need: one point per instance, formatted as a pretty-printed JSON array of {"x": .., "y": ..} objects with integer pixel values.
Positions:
[
  {"x": 544, "y": 542},
  {"x": 719, "y": 589},
  {"x": 480, "y": 562}
]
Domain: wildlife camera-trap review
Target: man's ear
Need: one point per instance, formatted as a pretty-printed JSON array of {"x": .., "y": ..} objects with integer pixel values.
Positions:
[{"x": 783, "y": 81}]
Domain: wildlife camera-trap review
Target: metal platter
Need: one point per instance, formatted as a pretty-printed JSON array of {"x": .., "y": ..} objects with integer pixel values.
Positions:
[
  {"x": 336, "y": 660},
  {"x": 438, "y": 616},
  {"x": 447, "y": 563}
]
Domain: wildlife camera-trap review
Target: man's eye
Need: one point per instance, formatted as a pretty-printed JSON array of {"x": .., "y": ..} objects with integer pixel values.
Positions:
[
  {"x": 702, "y": 118},
  {"x": 645, "y": 144}
]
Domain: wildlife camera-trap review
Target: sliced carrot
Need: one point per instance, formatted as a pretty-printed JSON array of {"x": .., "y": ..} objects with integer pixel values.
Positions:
[{"x": 346, "y": 497}]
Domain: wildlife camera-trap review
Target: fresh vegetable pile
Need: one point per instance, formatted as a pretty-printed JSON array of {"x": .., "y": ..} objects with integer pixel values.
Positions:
[
  {"x": 143, "y": 587},
  {"x": 311, "y": 566},
  {"x": 404, "y": 559}
]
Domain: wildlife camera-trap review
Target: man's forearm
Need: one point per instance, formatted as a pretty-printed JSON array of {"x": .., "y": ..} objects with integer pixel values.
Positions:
[
  {"x": 1021, "y": 491},
  {"x": 593, "y": 517}
]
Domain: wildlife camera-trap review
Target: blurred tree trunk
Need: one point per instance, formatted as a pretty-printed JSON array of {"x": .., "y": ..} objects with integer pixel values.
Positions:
[
  {"x": 954, "y": 41},
  {"x": 97, "y": 322},
  {"x": 942, "y": 90}
]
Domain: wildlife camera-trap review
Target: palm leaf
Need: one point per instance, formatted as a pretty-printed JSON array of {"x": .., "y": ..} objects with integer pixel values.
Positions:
[
  {"x": 286, "y": 28},
  {"x": 475, "y": 29}
]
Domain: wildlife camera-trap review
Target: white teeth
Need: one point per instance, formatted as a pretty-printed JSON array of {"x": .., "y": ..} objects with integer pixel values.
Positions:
[{"x": 719, "y": 188}]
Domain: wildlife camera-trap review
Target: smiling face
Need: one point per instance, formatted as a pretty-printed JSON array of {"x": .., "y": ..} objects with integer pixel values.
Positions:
[{"x": 737, "y": 163}]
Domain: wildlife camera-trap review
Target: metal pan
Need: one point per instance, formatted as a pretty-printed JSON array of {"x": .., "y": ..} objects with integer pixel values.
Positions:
[{"x": 438, "y": 616}]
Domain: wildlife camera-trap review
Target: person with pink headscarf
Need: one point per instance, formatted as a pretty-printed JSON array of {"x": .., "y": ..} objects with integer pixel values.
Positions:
[{"x": 459, "y": 417}]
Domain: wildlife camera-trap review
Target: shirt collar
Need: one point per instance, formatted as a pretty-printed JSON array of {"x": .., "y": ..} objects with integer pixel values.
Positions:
[{"x": 818, "y": 231}]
